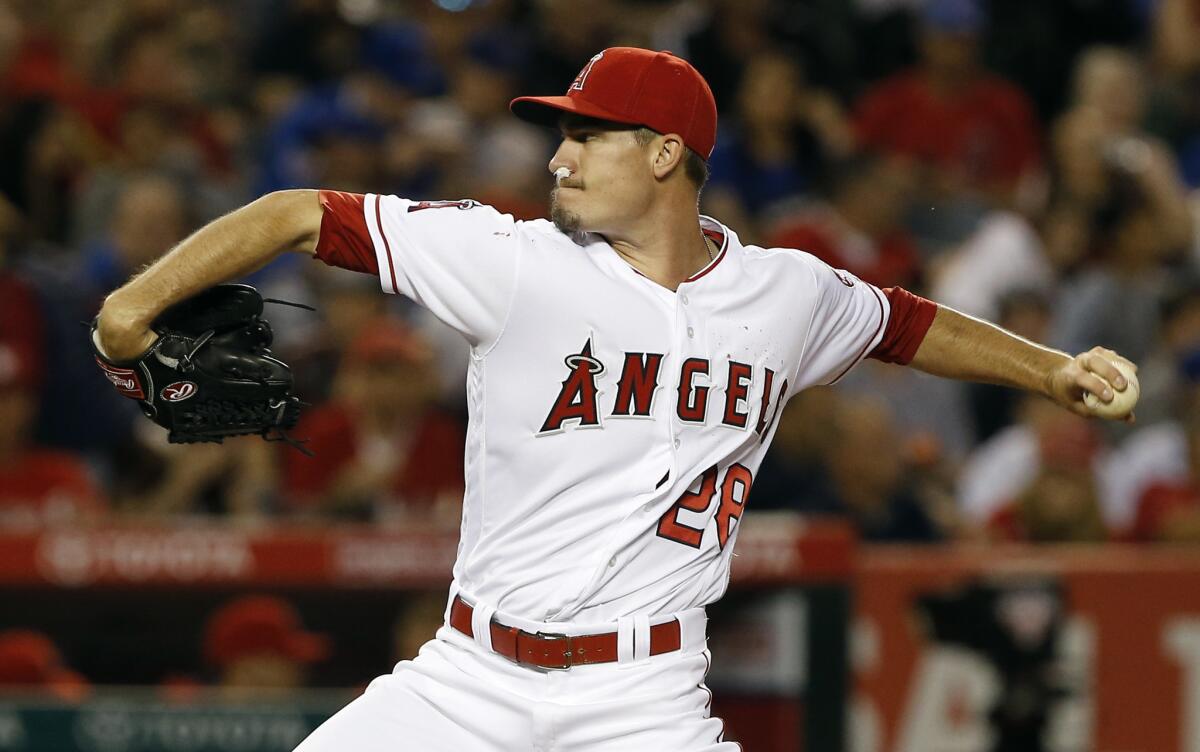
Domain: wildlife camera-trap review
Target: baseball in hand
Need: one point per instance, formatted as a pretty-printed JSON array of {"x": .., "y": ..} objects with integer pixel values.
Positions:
[{"x": 1123, "y": 400}]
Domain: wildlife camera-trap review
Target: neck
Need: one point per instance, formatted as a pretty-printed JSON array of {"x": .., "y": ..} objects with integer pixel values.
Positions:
[{"x": 667, "y": 248}]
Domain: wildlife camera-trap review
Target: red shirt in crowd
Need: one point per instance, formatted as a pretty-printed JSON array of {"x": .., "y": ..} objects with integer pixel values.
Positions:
[
  {"x": 988, "y": 131},
  {"x": 1158, "y": 504},
  {"x": 433, "y": 465},
  {"x": 885, "y": 262}
]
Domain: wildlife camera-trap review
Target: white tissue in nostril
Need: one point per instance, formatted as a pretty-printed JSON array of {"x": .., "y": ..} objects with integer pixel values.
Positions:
[{"x": 562, "y": 173}]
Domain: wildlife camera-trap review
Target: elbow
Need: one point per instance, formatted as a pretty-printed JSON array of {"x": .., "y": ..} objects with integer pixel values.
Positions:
[{"x": 122, "y": 328}]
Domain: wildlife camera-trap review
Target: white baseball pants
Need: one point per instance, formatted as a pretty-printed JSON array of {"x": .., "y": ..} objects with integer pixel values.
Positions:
[{"x": 458, "y": 696}]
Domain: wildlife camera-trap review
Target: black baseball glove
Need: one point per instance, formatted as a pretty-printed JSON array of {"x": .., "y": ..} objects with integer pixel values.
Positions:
[{"x": 210, "y": 373}]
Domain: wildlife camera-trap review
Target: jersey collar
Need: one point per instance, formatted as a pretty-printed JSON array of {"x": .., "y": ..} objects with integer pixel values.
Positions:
[{"x": 719, "y": 234}]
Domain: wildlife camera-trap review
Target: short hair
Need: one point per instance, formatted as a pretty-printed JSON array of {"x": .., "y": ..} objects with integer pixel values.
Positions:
[{"x": 694, "y": 166}]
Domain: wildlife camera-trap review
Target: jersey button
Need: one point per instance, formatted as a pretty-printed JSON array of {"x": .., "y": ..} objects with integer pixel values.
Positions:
[
  {"x": 684, "y": 299},
  {"x": 676, "y": 443},
  {"x": 612, "y": 562},
  {"x": 691, "y": 332}
]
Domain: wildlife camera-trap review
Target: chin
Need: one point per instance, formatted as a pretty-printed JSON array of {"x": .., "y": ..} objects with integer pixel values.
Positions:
[{"x": 566, "y": 221}]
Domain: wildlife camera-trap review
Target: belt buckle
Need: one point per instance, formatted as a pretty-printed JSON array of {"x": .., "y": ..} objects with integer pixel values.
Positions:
[{"x": 547, "y": 636}]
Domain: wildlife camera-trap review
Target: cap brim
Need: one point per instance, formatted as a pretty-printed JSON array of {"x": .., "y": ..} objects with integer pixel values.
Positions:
[{"x": 547, "y": 110}]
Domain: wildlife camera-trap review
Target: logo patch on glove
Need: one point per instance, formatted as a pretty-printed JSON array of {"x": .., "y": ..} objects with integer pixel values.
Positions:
[
  {"x": 178, "y": 392},
  {"x": 124, "y": 379}
]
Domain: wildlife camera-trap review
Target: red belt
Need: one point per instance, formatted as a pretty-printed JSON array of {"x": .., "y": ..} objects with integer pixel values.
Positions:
[{"x": 552, "y": 650}]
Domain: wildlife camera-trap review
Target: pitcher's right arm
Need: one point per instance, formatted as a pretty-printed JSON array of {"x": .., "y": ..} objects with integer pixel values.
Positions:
[{"x": 227, "y": 248}]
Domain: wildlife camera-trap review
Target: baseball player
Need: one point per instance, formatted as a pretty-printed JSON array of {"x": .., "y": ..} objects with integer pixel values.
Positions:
[{"x": 629, "y": 360}]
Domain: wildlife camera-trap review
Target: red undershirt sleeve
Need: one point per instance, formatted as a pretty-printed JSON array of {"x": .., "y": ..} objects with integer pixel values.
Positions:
[
  {"x": 911, "y": 317},
  {"x": 345, "y": 241}
]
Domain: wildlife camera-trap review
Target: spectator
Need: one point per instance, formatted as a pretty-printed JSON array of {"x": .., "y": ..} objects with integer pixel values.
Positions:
[
  {"x": 258, "y": 642},
  {"x": 1106, "y": 162},
  {"x": 1176, "y": 38},
  {"x": 1169, "y": 507},
  {"x": 78, "y": 410},
  {"x": 29, "y": 660},
  {"x": 564, "y": 39},
  {"x": 1174, "y": 359},
  {"x": 1114, "y": 300},
  {"x": 504, "y": 163},
  {"x": 1176, "y": 59},
  {"x": 346, "y": 305},
  {"x": 931, "y": 414},
  {"x": 1003, "y": 256},
  {"x": 38, "y": 487},
  {"x": 149, "y": 218},
  {"x": 869, "y": 483},
  {"x": 332, "y": 134},
  {"x": 1061, "y": 504},
  {"x": 1001, "y": 468},
  {"x": 382, "y": 449},
  {"x": 1025, "y": 313},
  {"x": 157, "y": 480},
  {"x": 787, "y": 133},
  {"x": 795, "y": 463},
  {"x": 976, "y": 131},
  {"x": 1128, "y": 185},
  {"x": 860, "y": 229},
  {"x": 721, "y": 48},
  {"x": 308, "y": 40}
]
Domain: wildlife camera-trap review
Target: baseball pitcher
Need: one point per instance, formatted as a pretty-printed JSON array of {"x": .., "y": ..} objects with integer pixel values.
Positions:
[{"x": 629, "y": 361}]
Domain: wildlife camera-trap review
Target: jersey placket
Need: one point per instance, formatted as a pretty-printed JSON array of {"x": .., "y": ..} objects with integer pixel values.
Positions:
[
  {"x": 664, "y": 417},
  {"x": 689, "y": 339}
]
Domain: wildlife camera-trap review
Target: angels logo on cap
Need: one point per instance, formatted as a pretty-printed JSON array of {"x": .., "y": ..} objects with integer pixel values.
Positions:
[
  {"x": 581, "y": 79},
  {"x": 179, "y": 391}
]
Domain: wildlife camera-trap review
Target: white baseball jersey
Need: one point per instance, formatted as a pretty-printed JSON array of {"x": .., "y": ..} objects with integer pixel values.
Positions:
[{"x": 615, "y": 426}]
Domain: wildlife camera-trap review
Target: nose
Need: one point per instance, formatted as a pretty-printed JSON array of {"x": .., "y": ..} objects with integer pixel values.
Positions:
[{"x": 562, "y": 158}]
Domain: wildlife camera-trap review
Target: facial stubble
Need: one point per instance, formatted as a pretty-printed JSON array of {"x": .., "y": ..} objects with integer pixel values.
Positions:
[{"x": 567, "y": 222}]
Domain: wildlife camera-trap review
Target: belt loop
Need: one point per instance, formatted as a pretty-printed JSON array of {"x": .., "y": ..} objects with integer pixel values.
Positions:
[
  {"x": 693, "y": 630},
  {"x": 454, "y": 593},
  {"x": 481, "y": 625},
  {"x": 625, "y": 639},
  {"x": 641, "y": 637}
]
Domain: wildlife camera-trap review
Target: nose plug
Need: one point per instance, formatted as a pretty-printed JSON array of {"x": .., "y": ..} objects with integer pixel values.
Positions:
[{"x": 562, "y": 173}]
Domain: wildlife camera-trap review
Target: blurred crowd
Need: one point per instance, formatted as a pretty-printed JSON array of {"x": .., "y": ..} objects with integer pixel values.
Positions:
[
  {"x": 1036, "y": 164},
  {"x": 243, "y": 648}
]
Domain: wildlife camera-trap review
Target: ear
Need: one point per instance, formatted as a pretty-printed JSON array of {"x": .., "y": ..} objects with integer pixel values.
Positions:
[{"x": 669, "y": 155}]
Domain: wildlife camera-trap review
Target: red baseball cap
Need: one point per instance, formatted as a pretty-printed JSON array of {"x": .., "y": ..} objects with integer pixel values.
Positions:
[
  {"x": 385, "y": 340},
  {"x": 638, "y": 87},
  {"x": 261, "y": 624},
  {"x": 30, "y": 659}
]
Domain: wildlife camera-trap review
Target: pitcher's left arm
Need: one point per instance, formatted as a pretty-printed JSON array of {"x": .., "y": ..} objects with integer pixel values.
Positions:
[{"x": 958, "y": 346}]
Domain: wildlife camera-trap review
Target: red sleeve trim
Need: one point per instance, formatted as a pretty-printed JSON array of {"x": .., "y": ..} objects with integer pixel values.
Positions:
[
  {"x": 345, "y": 241},
  {"x": 910, "y": 319}
]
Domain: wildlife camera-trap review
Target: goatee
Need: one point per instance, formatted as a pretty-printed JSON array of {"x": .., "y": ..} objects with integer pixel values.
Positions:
[{"x": 566, "y": 222}]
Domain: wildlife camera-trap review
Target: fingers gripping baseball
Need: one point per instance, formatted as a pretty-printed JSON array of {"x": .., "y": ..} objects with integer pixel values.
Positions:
[{"x": 1098, "y": 383}]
